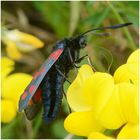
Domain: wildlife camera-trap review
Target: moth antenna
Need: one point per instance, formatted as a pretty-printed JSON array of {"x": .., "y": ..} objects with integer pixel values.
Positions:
[
  {"x": 107, "y": 27},
  {"x": 103, "y": 34}
]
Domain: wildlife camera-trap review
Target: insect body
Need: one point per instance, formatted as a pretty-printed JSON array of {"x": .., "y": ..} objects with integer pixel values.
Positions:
[{"x": 46, "y": 87}]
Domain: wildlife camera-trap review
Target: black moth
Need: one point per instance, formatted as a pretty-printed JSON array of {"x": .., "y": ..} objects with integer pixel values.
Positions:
[{"x": 46, "y": 87}]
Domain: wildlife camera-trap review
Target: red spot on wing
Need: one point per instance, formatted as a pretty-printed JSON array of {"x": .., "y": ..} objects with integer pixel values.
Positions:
[
  {"x": 51, "y": 56},
  {"x": 37, "y": 96},
  {"x": 30, "y": 102},
  {"x": 31, "y": 88},
  {"x": 42, "y": 70},
  {"x": 24, "y": 95},
  {"x": 55, "y": 54},
  {"x": 37, "y": 74}
]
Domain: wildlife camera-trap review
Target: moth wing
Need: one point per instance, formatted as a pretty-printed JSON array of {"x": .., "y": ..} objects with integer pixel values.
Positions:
[
  {"x": 32, "y": 110},
  {"x": 38, "y": 77},
  {"x": 34, "y": 105}
]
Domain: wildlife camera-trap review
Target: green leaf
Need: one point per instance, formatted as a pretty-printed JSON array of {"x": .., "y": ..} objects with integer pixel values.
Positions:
[
  {"x": 74, "y": 16},
  {"x": 59, "y": 22},
  {"x": 7, "y": 129},
  {"x": 37, "y": 125},
  {"x": 58, "y": 129}
]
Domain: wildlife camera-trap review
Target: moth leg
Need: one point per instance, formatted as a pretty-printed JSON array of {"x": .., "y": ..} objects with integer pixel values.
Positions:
[
  {"x": 66, "y": 100},
  {"x": 80, "y": 59},
  {"x": 74, "y": 63},
  {"x": 76, "y": 66},
  {"x": 57, "y": 68},
  {"x": 90, "y": 63},
  {"x": 70, "y": 56}
]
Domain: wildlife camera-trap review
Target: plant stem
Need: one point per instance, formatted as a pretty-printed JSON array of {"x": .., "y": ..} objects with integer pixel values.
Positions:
[
  {"x": 74, "y": 16},
  {"x": 36, "y": 127},
  {"x": 126, "y": 31},
  {"x": 28, "y": 128},
  {"x": 69, "y": 136}
]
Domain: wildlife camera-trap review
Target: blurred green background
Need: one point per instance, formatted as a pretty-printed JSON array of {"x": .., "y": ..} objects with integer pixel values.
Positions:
[{"x": 53, "y": 21}]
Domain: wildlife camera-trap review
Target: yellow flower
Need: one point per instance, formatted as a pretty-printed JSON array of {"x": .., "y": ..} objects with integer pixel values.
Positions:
[
  {"x": 7, "y": 65},
  {"x": 77, "y": 87},
  {"x": 8, "y": 111},
  {"x": 82, "y": 123},
  {"x": 129, "y": 72},
  {"x": 95, "y": 135},
  {"x": 83, "y": 99},
  {"x": 99, "y": 104},
  {"x": 129, "y": 131},
  {"x": 120, "y": 108},
  {"x": 121, "y": 111},
  {"x": 12, "y": 51},
  {"x": 12, "y": 87},
  {"x": 19, "y": 42}
]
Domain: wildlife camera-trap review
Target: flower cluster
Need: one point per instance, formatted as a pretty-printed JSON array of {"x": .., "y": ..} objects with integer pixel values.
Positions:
[
  {"x": 17, "y": 43},
  {"x": 12, "y": 87},
  {"x": 105, "y": 106}
]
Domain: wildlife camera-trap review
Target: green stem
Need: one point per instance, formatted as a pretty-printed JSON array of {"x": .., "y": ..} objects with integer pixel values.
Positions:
[
  {"x": 36, "y": 127},
  {"x": 74, "y": 16},
  {"x": 126, "y": 31},
  {"x": 29, "y": 128}
]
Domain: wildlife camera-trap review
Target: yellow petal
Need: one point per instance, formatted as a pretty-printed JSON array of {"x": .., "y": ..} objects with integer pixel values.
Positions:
[
  {"x": 98, "y": 135},
  {"x": 8, "y": 111},
  {"x": 75, "y": 89},
  {"x": 7, "y": 65},
  {"x": 12, "y": 35},
  {"x": 6, "y": 62},
  {"x": 120, "y": 108},
  {"x": 82, "y": 123},
  {"x": 127, "y": 98},
  {"x": 134, "y": 57},
  {"x": 23, "y": 47},
  {"x": 84, "y": 95},
  {"x": 30, "y": 39},
  {"x": 12, "y": 51},
  {"x": 129, "y": 131},
  {"x": 17, "y": 36},
  {"x": 129, "y": 72},
  {"x": 133, "y": 68},
  {"x": 133, "y": 63},
  {"x": 14, "y": 86},
  {"x": 97, "y": 91},
  {"x": 136, "y": 101},
  {"x": 122, "y": 74}
]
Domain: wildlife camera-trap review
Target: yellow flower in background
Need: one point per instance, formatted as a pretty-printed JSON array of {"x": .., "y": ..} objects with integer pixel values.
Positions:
[
  {"x": 12, "y": 87},
  {"x": 12, "y": 51},
  {"x": 7, "y": 65},
  {"x": 100, "y": 105},
  {"x": 18, "y": 42},
  {"x": 8, "y": 111},
  {"x": 129, "y": 72}
]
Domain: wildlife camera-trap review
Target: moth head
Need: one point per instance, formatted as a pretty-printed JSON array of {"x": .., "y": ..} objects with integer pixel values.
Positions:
[{"x": 82, "y": 42}]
